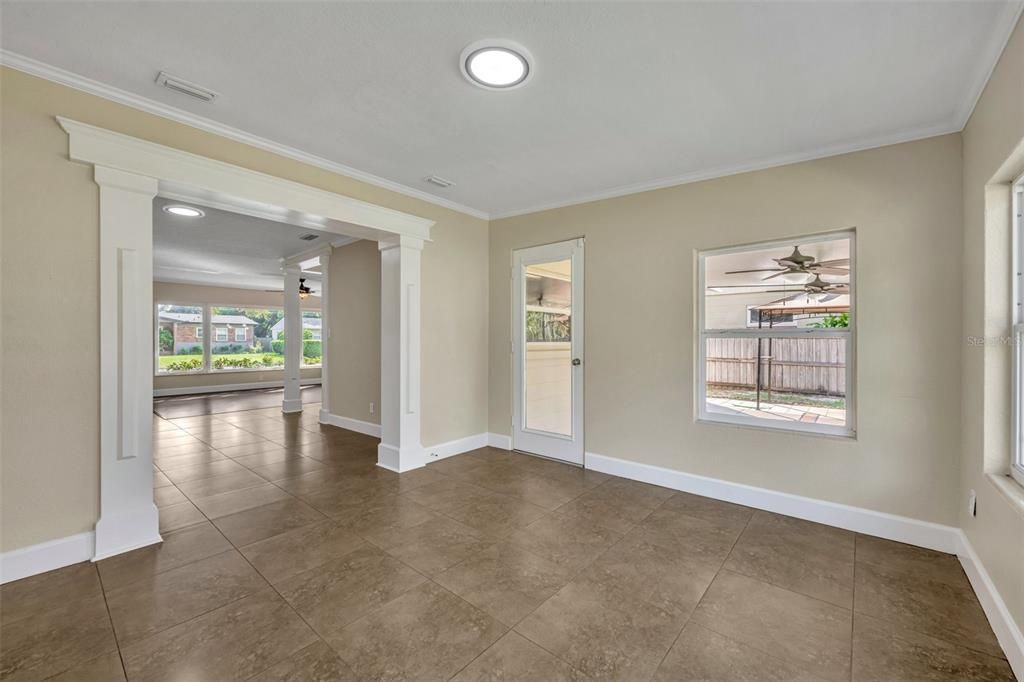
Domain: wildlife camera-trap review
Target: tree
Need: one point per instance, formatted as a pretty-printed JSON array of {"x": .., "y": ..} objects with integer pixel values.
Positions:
[
  {"x": 166, "y": 340},
  {"x": 834, "y": 321}
]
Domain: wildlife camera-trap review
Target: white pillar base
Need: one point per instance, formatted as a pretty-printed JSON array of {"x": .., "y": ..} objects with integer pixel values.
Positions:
[
  {"x": 291, "y": 406},
  {"x": 400, "y": 460},
  {"x": 127, "y": 531},
  {"x": 325, "y": 417}
]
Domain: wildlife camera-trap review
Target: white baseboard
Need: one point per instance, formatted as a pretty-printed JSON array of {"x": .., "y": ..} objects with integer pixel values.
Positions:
[
  {"x": 368, "y": 428},
  {"x": 497, "y": 440},
  {"x": 46, "y": 556},
  {"x": 880, "y": 524},
  {"x": 226, "y": 388},
  {"x": 1006, "y": 630},
  {"x": 457, "y": 446}
]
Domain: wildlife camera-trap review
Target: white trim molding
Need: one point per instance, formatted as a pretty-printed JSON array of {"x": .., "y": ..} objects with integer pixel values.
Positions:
[
  {"x": 34, "y": 67},
  {"x": 368, "y": 428},
  {"x": 456, "y": 447},
  {"x": 880, "y": 524},
  {"x": 227, "y": 388},
  {"x": 46, "y": 556},
  {"x": 499, "y": 440},
  {"x": 1007, "y": 632}
]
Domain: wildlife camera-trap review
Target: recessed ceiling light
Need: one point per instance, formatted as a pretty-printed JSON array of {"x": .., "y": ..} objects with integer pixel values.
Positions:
[
  {"x": 184, "y": 211},
  {"x": 496, "y": 64}
]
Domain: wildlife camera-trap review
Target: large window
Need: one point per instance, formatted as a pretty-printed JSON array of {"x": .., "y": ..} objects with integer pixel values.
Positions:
[
  {"x": 777, "y": 331},
  {"x": 247, "y": 339},
  {"x": 1017, "y": 461},
  {"x": 179, "y": 339},
  {"x": 312, "y": 339}
]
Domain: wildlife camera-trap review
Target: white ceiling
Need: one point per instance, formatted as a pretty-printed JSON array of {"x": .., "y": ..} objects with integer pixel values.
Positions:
[
  {"x": 227, "y": 249},
  {"x": 626, "y": 96}
]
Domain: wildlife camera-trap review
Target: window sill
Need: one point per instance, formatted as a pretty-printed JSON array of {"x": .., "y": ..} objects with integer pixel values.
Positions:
[
  {"x": 1010, "y": 489},
  {"x": 835, "y": 433}
]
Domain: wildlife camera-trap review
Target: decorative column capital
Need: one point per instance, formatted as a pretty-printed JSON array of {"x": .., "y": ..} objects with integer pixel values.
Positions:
[
  {"x": 400, "y": 241},
  {"x": 131, "y": 182}
]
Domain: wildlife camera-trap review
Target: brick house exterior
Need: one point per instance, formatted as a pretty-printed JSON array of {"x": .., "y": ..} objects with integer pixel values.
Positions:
[{"x": 226, "y": 330}]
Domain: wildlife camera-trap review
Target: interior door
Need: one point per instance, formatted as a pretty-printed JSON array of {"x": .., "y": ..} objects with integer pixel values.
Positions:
[{"x": 547, "y": 350}]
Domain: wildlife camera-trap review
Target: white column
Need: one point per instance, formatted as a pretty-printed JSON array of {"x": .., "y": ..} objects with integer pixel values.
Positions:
[
  {"x": 292, "y": 341},
  {"x": 400, "y": 448},
  {"x": 325, "y": 335},
  {"x": 128, "y": 518}
]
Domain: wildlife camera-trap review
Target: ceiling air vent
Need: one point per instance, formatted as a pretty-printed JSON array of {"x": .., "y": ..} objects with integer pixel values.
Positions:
[
  {"x": 309, "y": 237},
  {"x": 440, "y": 182},
  {"x": 185, "y": 87}
]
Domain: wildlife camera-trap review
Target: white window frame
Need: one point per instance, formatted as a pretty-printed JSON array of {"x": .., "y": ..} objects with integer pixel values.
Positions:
[
  {"x": 216, "y": 335},
  {"x": 244, "y": 334},
  {"x": 199, "y": 331},
  {"x": 702, "y": 414},
  {"x": 1017, "y": 335}
]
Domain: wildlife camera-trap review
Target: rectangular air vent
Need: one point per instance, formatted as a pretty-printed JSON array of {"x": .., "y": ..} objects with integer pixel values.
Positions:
[
  {"x": 184, "y": 87},
  {"x": 309, "y": 237},
  {"x": 440, "y": 182}
]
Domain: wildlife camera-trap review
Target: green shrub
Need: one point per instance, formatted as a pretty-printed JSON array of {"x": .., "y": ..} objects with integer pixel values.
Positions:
[
  {"x": 277, "y": 345},
  {"x": 186, "y": 365},
  {"x": 311, "y": 349},
  {"x": 195, "y": 350},
  {"x": 166, "y": 340},
  {"x": 311, "y": 361}
]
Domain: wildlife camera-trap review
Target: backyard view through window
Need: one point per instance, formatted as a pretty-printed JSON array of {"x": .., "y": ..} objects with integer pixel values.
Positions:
[
  {"x": 776, "y": 335},
  {"x": 241, "y": 338}
]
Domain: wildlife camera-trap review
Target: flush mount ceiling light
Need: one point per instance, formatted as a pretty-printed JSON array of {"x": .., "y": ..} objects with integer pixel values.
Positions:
[
  {"x": 184, "y": 211},
  {"x": 496, "y": 64}
]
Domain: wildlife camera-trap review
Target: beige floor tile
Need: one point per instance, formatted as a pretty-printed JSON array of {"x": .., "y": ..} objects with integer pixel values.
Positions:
[
  {"x": 933, "y": 605},
  {"x": 269, "y": 456},
  {"x": 513, "y": 657},
  {"x": 431, "y": 547},
  {"x": 260, "y": 523},
  {"x": 604, "y": 636},
  {"x": 342, "y": 499},
  {"x": 505, "y": 581},
  {"x": 179, "y": 547},
  {"x": 249, "y": 449},
  {"x": 147, "y": 606},
  {"x": 216, "y": 506},
  {"x": 807, "y": 632},
  {"x": 496, "y": 514},
  {"x": 548, "y": 493},
  {"x": 798, "y": 555},
  {"x": 288, "y": 554},
  {"x": 194, "y": 472},
  {"x": 317, "y": 662},
  {"x": 205, "y": 487},
  {"x": 443, "y": 496},
  {"x": 882, "y": 651},
  {"x": 385, "y": 513},
  {"x": 40, "y": 593},
  {"x": 417, "y": 478},
  {"x": 722, "y": 513},
  {"x": 233, "y": 642},
  {"x": 56, "y": 639},
  {"x": 617, "y": 504},
  {"x": 338, "y": 592},
  {"x": 168, "y": 495},
  {"x": 159, "y": 480},
  {"x": 545, "y": 468},
  {"x": 569, "y": 541},
  {"x": 289, "y": 468},
  {"x": 428, "y": 633},
  {"x": 456, "y": 465},
  {"x": 106, "y": 668},
  {"x": 700, "y": 654},
  {"x": 181, "y": 515}
]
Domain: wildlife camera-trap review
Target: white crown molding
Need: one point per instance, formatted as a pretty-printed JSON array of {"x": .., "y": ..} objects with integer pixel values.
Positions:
[
  {"x": 725, "y": 171},
  {"x": 40, "y": 69},
  {"x": 992, "y": 52}
]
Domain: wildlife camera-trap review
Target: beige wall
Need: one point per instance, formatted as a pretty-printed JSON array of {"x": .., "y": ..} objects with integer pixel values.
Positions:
[
  {"x": 50, "y": 486},
  {"x": 904, "y": 201},
  {"x": 194, "y": 294},
  {"x": 355, "y": 331},
  {"x": 993, "y": 155}
]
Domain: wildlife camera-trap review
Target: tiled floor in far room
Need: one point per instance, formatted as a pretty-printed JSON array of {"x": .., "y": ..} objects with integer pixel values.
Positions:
[{"x": 288, "y": 554}]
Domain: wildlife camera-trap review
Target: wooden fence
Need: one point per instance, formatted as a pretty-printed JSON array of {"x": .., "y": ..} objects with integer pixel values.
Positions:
[{"x": 794, "y": 365}]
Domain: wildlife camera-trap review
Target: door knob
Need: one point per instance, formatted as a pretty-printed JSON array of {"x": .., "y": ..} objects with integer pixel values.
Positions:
[{"x": 576, "y": 362}]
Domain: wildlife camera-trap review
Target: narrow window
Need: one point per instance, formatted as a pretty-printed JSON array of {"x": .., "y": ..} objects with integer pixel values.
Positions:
[
  {"x": 777, "y": 331},
  {"x": 179, "y": 339}
]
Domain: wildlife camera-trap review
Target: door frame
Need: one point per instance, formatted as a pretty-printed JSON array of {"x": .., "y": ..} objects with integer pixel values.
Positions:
[
  {"x": 130, "y": 172},
  {"x": 571, "y": 449}
]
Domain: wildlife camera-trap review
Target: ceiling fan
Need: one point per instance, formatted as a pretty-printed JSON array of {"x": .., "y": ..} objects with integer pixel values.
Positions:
[
  {"x": 815, "y": 286},
  {"x": 797, "y": 263},
  {"x": 304, "y": 291}
]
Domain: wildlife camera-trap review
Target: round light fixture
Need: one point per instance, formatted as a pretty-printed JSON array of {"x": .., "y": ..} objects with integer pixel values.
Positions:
[
  {"x": 184, "y": 211},
  {"x": 496, "y": 64}
]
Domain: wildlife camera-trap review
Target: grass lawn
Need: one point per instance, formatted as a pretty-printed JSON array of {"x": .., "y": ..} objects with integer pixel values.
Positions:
[{"x": 779, "y": 397}]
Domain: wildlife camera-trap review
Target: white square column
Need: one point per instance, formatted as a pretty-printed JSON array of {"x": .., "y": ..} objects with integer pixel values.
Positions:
[
  {"x": 128, "y": 518},
  {"x": 292, "y": 401},
  {"x": 400, "y": 449}
]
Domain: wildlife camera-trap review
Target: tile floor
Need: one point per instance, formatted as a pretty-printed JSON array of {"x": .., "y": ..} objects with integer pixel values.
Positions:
[{"x": 288, "y": 554}]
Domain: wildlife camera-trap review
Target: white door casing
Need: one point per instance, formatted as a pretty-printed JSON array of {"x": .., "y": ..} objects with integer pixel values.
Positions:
[
  {"x": 130, "y": 172},
  {"x": 565, "y": 447}
]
